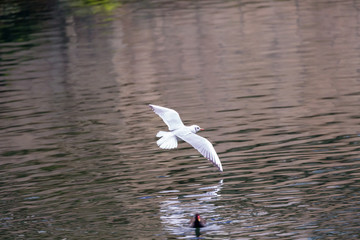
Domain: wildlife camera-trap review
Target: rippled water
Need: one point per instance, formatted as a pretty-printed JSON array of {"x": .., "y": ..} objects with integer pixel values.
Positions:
[{"x": 276, "y": 84}]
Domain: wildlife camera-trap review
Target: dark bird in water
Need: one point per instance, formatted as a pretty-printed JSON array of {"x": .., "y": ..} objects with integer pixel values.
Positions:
[{"x": 197, "y": 221}]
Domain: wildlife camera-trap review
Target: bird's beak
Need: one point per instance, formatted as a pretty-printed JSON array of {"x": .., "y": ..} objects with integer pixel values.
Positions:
[
  {"x": 198, "y": 218},
  {"x": 201, "y": 129}
]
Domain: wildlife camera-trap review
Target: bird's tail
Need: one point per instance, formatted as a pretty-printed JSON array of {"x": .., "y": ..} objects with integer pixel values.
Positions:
[
  {"x": 167, "y": 140},
  {"x": 161, "y": 133}
]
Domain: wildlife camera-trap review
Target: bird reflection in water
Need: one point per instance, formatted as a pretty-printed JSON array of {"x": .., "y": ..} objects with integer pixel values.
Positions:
[
  {"x": 197, "y": 232},
  {"x": 176, "y": 207}
]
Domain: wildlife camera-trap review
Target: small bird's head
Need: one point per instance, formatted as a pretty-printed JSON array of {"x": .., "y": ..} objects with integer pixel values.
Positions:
[{"x": 196, "y": 128}]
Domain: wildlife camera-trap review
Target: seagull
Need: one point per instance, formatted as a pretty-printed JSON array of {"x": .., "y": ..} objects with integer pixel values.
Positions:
[{"x": 169, "y": 140}]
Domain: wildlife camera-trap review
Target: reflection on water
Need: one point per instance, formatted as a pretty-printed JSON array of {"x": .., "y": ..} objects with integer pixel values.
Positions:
[
  {"x": 177, "y": 209},
  {"x": 275, "y": 84}
]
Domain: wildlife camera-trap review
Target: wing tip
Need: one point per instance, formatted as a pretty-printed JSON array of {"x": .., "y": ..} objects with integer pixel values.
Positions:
[
  {"x": 217, "y": 165},
  {"x": 152, "y": 107}
]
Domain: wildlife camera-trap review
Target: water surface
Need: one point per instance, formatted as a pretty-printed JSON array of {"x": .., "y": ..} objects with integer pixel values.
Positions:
[{"x": 276, "y": 85}]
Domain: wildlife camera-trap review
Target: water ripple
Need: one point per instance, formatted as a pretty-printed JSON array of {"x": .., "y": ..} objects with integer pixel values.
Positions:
[{"x": 277, "y": 94}]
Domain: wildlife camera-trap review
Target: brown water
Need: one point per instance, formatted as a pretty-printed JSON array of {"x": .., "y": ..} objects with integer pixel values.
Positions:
[{"x": 276, "y": 84}]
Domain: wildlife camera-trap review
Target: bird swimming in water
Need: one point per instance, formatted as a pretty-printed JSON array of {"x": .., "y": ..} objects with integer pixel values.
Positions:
[
  {"x": 197, "y": 221},
  {"x": 169, "y": 140}
]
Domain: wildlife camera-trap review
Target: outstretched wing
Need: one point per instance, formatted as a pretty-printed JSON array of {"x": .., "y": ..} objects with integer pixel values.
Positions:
[
  {"x": 169, "y": 116},
  {"x": 203, "y": 146}
]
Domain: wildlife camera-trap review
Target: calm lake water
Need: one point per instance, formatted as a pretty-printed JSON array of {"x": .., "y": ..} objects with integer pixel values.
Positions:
[{"x": 275, "y": 84}]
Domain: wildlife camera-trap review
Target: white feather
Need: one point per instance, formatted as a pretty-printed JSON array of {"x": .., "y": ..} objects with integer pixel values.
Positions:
[
  {"x": 169, "y": 116},
  {"x": 168, "y": 140},
  {"x": 161, "y": 134}
]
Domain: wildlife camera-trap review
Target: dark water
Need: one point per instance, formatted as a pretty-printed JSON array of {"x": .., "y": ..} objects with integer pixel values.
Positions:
[{"x": 276, "y": 84}]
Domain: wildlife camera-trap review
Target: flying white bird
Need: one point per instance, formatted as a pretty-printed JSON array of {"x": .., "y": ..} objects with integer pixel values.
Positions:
[{"x": 169, "y": 140}]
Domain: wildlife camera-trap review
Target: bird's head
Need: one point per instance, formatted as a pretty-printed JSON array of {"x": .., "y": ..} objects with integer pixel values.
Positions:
[{"x": 196, "y": 128}]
